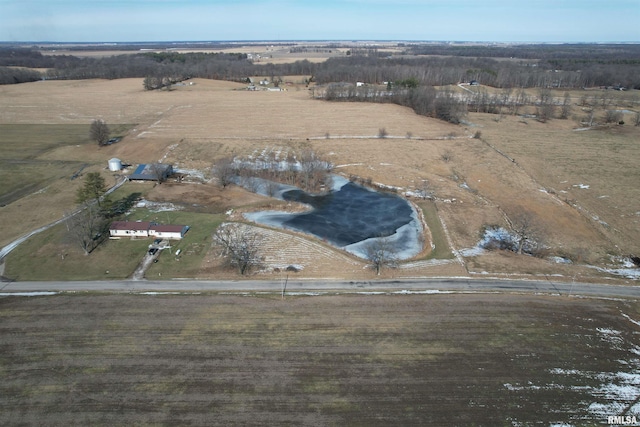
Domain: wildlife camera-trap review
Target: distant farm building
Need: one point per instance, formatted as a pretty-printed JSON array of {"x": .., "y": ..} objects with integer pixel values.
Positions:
[
  {"x": 133, "y": 229},
  {"x": 152, "y": 172}
]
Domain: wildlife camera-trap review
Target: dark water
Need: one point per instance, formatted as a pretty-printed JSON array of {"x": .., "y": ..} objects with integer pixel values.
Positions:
[{"x": 349, "y": 215}]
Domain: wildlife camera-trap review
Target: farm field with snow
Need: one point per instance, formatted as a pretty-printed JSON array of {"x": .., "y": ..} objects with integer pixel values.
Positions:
[{"x": 220, "y": 359}]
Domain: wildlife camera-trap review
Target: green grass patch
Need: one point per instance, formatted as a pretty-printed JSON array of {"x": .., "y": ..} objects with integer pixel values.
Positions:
[
  {"x": 440, "y": 241},
  {"x": 193, "y": 247},
  {"x": 51, "y": 255},
  {"x": 132, "y": 187}
]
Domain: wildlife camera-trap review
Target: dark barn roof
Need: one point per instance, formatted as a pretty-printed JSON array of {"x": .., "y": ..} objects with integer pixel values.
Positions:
[{"x": 147, "y": 172}]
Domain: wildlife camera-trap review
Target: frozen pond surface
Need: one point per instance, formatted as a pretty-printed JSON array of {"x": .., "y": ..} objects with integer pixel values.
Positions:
[{"x": 349, "y": 217}]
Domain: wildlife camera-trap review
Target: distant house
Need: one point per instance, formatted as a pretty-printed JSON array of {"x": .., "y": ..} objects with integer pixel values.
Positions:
[
  {"x": 152, "y": 172},
  {"x": 133, "y": 229},
  {"x": 474, "y": 83},
  {"x": 168, "y": 231}
]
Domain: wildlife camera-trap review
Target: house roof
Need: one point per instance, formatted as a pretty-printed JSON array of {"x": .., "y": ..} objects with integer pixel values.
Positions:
[
  {"x": 130, "y": 225},
  {"x": 150, "y": 171},
  {"x": 168, "y": 228}
]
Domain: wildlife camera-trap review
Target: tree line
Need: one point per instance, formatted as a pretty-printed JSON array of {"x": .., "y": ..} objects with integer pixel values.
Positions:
[
  {"x": 526, "y": 66},
  {"x": 440, "y": 71}
]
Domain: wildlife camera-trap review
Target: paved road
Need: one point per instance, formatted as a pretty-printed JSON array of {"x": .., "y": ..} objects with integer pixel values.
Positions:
[{"x": 320, "y": 286}]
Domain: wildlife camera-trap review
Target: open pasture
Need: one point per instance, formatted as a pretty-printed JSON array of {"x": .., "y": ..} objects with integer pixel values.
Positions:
[
  {"x": 515, "y": 165},
  {"x": 211, "y": 359},
  {"x": 22, "y": 171}
]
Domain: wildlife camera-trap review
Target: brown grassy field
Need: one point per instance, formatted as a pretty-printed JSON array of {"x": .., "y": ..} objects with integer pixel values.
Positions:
[
  {"x": 543, "y": 168},
  {"x": 207, "y": 359}
]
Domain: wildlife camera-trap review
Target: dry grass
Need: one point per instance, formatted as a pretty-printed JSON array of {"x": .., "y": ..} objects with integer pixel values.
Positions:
[{"x": 194, "y": 125}]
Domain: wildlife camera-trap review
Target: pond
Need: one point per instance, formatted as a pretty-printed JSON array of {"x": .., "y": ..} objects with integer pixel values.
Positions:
[{"x": 349, "y": 217}]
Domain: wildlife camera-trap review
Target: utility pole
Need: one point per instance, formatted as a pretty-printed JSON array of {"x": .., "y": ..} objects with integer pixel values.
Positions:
[{"x": 284, "y": 286}]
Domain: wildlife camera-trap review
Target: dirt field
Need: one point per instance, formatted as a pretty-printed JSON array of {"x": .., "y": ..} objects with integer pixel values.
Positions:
[
  {"x": 578, "y": 184},
  {"x": 331, "y": 360}
]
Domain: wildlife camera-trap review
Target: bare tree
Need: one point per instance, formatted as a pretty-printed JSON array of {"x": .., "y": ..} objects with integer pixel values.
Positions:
[
  {"x": 224, "y": 171},
  {"x": 99, "y": 132},
  {"x": 526, "y": 231},
  {"x": 613, "y": 116},
  {"x": 86, "y": 227},
  {"x": 160, "y": 171},
  {"x": 545, "y": 109},
  {"x": 381, "y": 254},
  {"x": 449, "y": 108},
  {"x": 271, "y": 188},
  {"x": 313, "y": 169},
  {"x": 565, "y": 110},
  {"x": 241, "y": 246},
  {"x": 424, "y": 190}
]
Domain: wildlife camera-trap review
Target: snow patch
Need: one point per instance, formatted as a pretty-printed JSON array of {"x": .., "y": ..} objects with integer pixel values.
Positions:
[
  {"x": 27, "y": 294},
  {"x": 157, "y": 206}
]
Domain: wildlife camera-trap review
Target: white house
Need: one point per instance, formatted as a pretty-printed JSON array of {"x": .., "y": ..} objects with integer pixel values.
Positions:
[
  {"x": 120, "y": 229},
  {"x": 131, "y": 229},
  {"x": 168, "y": 231}
]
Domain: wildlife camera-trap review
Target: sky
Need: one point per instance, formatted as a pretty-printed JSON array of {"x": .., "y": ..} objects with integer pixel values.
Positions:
[{"x": 274, "y": 20}]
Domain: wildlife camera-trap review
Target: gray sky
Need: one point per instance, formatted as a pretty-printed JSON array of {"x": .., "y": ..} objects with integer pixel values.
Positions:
[{"x": 202, "y": 20}]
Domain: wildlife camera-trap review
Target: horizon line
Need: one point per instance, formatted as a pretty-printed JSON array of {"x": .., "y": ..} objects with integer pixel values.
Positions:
[{"x": 280, "y": 41}]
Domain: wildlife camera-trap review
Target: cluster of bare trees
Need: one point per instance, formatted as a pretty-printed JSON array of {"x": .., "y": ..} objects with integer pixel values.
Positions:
[
  {"x": 526, "y": 235},
  {"x": 307, "y": 171},
  {"x": 9, "y": 75},
  {"x": 157, "y": 82},
  {"x": 88, "y": 226},
  {"x": 424, "y": 100}
]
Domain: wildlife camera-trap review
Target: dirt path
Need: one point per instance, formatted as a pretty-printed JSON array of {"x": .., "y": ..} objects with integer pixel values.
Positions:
[{"x": 144, "y": 265}]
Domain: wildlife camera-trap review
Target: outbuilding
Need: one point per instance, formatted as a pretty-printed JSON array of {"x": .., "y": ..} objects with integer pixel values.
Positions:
[
  {"x": 115, "y": 164},
  {"x": 152, "y": 172}
]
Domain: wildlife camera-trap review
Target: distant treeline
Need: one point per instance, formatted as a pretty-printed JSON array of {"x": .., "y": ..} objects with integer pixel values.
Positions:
[
  {"x": 522, "y": 66},
  {"x": 542, "y": 52},
  {"x": 440, "y": 71}
]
